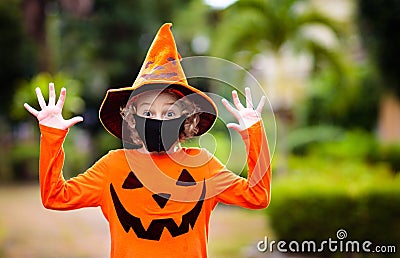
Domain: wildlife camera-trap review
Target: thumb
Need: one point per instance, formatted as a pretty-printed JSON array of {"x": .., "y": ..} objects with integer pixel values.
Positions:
[
  {"x": 234, "y": 126},
  {"x": 71, "y": 122}
]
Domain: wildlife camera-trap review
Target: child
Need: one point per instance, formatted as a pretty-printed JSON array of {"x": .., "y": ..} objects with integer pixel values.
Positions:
[
  {"x": 158, "y": 105},
  {"x": 156, "y": 195}
]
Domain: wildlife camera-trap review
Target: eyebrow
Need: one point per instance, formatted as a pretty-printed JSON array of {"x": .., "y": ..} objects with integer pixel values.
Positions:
[
  {"x": 143, "y": 104},
  {"x": 149, "y": 104},
  {"x": 169, "y": 103}
]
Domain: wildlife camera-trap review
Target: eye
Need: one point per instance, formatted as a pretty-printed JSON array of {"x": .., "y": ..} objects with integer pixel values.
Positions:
[
  {"x": 146, "y": 113},
  {"x": 170, "y": 114},
  {"x": 185, "y": 179},
  {"x": 131, "y": 182}
]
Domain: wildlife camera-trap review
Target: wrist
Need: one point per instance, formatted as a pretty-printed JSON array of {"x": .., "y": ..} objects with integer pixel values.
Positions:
[
  {"x": 51, "y": 129},
  {"x": 252, "y": 128}
]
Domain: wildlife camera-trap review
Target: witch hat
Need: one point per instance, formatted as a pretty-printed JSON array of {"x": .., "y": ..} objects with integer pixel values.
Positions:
[{"x": 160, "y": 70}]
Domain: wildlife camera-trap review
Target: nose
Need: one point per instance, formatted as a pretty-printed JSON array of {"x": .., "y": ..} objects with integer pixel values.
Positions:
[
  {"x": 161, "y": 199},
  {"x": 158, "y": 116}
]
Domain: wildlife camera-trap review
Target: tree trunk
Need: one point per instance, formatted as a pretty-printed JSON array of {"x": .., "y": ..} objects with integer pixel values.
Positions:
[
  {"x": 34, "y": 21},
  {"x": 389, "y": 119}
]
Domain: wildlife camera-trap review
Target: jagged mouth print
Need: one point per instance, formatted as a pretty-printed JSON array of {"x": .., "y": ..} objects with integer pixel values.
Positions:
[{"x": 156, "y": 227}]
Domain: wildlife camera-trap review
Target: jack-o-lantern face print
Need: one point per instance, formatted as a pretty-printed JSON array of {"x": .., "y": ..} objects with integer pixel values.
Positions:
[{"x": 156, "y": 227}]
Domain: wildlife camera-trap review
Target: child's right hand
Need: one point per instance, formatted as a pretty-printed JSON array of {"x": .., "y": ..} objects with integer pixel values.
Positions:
[{"x": 51, "y": 114}]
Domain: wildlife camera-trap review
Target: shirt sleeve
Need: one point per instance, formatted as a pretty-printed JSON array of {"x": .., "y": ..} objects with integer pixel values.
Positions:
[
  {"x": 253, "y": 192},
  {"x": 84, "y": 190}
]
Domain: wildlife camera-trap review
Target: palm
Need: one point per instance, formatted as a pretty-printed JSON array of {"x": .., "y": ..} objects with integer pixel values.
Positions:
[
  {"x": 246, "y": 115},
  {"x": 51, "y": 114}
]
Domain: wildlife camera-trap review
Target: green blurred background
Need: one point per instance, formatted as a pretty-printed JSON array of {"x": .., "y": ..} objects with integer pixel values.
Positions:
[{"x": 330, "y": 68}]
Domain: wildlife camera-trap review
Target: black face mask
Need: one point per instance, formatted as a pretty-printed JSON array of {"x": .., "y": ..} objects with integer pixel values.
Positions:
[{"x": 159, "y": 135}]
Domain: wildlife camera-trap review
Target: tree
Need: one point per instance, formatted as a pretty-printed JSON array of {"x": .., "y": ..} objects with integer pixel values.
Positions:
[
  {"x": 275, "y": 30},
  {"x": 16, "y": 56},
  {"x": 114, "y": 37},
  {"x": 379, "y": 22}
]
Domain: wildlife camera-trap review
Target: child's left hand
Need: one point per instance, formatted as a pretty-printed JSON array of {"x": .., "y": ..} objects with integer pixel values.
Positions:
[{"x": 246, "y": 116}]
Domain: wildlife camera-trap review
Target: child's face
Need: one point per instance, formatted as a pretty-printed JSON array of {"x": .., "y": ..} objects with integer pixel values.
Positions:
[{"x": 156, "y": 105}]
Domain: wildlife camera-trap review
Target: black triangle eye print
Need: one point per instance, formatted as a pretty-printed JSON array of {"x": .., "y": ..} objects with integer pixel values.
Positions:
[
  {"x": 161, "y": 199},
  {"x": 132, "y": 182},
  {"x": 185, "y": 179}
]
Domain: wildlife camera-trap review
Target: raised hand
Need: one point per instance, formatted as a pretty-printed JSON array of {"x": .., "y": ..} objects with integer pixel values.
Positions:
[
  {"x": 51, "y": 114},
  {"x": 246, "y": 116}
]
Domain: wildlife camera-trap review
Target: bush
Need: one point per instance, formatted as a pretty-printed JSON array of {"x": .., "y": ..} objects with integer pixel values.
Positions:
[
  {"x": 300, "y": 140},
  {"x": 25, "y": 163},
  {"x": 315, "y": 201},
  {"x": 352, "y": 145},
  {"x": 389, "y": 154},
  {"x": 335, "y": 143},
  {"x": 349, "y": 101}
]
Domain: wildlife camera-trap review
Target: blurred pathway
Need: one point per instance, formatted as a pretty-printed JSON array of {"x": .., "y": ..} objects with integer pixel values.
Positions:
[{"x": 29, "y": 230}]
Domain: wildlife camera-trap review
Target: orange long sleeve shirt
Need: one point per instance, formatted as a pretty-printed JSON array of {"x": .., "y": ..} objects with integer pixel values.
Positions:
[{"x": 156, "y": 205}]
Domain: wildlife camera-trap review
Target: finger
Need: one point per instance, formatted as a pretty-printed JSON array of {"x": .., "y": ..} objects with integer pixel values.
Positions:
[
  {"x": 249, "y": 100},
  {"x": 61, "y": 99},
  {"x": 261, "y": 104},
  {"x": 236, "y": 100},
  {"x": 31, "y": 109},
  {"x": 73, "y": 121},
  {"x": 52, "y": 94},
  {"x": 40, "y": 98},
  {"x": 231, "y": 109},
  {"x": 234, "y": 126}
]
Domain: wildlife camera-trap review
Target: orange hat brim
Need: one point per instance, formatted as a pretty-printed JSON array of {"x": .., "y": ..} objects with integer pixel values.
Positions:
[{"x": 116, "y": 99}]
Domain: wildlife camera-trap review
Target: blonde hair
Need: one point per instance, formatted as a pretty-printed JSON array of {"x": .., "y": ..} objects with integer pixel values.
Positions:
[{"x": 188, "y": 108}]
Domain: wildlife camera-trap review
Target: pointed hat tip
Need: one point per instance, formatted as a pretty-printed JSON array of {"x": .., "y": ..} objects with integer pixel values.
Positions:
[
  {"x": 167, "y": 24},
  {"x": 165, "y": 28}
]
